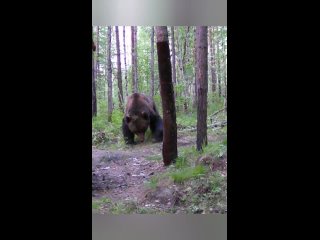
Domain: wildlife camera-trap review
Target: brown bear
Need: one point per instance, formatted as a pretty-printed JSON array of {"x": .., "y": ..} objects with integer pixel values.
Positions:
[{"x": 141, "y": 113}]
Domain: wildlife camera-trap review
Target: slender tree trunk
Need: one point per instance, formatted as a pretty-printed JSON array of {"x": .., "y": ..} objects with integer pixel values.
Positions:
[
  {"x": 98, "y": 53},
  {"x": 181, "y": 64},
  {"x": 119, "y": 75},
  {"x": 152, "y": 63},
  {"x": 202, "y": 80},
  {"x": 184, "y": 70},
  {"x": 185, "y": 48},
  {"x": 174, "y": 78},
  {"x": 169, "y": 150},
  {"x": 136, "y": 58},
  {"x": 105, "y": 89},
  {"x": 134, "y": 84},
  {"x": 179, "y": 67},
  {"x": 94, "y": 97},
  {"x": 219, "y": 61},
  {"x": 212, "y": 62},
  {"x": 195, "y": 71},
  {"x": 225, "y": 71},
  {"x": 109, "y": 76},
  {"x": 125, "y": 60},
  {"x": 173, "y": 57},
  {"x": 176, "y": 52}
]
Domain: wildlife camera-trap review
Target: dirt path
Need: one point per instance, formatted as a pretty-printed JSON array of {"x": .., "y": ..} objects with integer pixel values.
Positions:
[{"x": 121, "y": 174}]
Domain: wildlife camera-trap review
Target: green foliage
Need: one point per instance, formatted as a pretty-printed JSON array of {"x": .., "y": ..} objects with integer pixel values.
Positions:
[
  {"x": 99, "y": 203},
  {"x": 215, "y": 103},
  {"x": 105, "y": 205},
  {"x": 95, "y": 205},
  {"x": 154, "y": 158},
  {"x": 216, "y": 149},
  {"x": 207, "y": 194},
  {"x": 104, "y": 131},
  {"x": 153, "y": 182},
  {"x": 117, "y": 117},
  {"x": 144, "y": 54},
  {"x": 143, "y": 210},
  {"x": 186, "y": 119},
  {"x": 123, "y": 208},
  {"x": 181, "y": 162},
  {"x": 215, "y": 181},
  {"x": 158, "y": 102},
  {"x": 184, "y": 174}
]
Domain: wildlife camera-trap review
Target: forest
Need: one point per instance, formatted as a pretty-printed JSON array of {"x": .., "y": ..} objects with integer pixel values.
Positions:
[{"x": 183, "y": 70}]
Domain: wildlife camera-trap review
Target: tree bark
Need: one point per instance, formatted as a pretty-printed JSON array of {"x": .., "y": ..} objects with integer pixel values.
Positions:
[
  {"x": 184, "y": 70},
  {"x": 125, "y": 60},
  {"x": 173, "y": 57},
  {"x": 219, "y": 61},
  {"x": 94, "y": 97},
  {"x": 202, "y": 85},
  {"x": 169, "y": 150},
  {"x": 174, "y": 77},
  {"x": 98, "y": 53},
  {"x": 134, "y": 83},
  {"x": 195, "y": 102},
  {"x": 224, "y": 70},
  {"x": 182, "y": 74},
  {"x": 136, "y": 58},
  {"x": 212, "y": 62},
  {"x": 109, "y": 76},
  {"x": 119, "y": 75},
  {"x": 152, "y": 63}
]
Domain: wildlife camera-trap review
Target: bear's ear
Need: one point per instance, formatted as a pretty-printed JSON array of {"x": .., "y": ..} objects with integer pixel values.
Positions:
[
  {"x": 144, "y": 115},
  {"x": 128, "y": 119}
]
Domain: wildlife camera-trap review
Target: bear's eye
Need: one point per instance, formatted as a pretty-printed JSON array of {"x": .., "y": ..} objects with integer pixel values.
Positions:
[{"x": 128, "y": 119}]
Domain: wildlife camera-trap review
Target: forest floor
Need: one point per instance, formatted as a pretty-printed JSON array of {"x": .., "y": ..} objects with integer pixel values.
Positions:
[{"x": 132, "y": 179}]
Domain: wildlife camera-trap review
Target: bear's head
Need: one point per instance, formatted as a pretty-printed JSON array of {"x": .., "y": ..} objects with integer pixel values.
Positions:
[{"x": 138, "y": 123}]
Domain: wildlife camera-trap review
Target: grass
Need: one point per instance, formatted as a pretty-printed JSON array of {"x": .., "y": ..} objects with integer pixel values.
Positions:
[
  {"x": 181, "y": 162},
  {"x": 97, "y": 204},
  {"x": 105, "y": 205},
  {"x": 216, "y": 181},
  {"x": 184, "y": 174},
  {"x": 207, "y": 194},
  {"x": 104, "y": 132},
  {"x": 153, "y": 182},
  {"x": 154, "y": 158}
]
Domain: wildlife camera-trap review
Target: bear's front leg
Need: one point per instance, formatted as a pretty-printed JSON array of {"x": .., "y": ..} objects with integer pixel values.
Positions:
[{"x": 127, "y": 134}]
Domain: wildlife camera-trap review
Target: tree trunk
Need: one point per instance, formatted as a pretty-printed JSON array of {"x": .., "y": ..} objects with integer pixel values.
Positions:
[
  {"x": 94, "y": 97},
  {"x": 182, "y": 74},
  {"x": 219, "y": 61},
  {"x": 136, "y": 58},
  {"x": 173, "y": 57},
  {"x": 184, "y": 70},
  {"x": 98, "y": 53},
  {"x": 224, "y": 70},
  {"x": 152, "y": 63},
  {"x": 212, "y": 62},
  {"x": 195, "y": 102},
  {"x": 119, "y": 75},
  {"x": 169, "y": 150},
  {"x": 185, "y": 48},
  {"x": 202, "y": 82},
  {"x": 134, "y": 83},
  {"x": 109, "y": 76},
  {"x": 125, "y": 60},
  {"x": 174, "y": 77}
]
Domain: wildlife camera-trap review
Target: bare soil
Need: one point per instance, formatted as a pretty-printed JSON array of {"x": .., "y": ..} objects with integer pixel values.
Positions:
[{"x": 121, "y": 173}]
